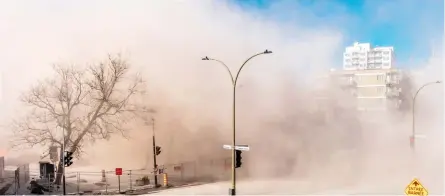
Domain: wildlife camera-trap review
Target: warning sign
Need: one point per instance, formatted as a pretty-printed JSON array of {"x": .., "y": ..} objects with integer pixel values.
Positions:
[{"x": 415, "y": 188}]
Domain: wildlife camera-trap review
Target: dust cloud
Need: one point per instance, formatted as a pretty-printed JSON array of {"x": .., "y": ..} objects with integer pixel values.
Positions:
[{"x": 276, "y": 108}]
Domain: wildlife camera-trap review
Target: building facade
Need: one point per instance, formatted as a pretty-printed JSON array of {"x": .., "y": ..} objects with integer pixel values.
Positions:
[
  {"x": 369, "y": 74},
  {"x": 361, "y": 56},
  {"x": 373, "y": 89}
]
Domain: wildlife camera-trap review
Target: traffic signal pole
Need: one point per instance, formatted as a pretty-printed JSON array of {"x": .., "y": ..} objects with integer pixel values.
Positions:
[
  {"x": 155, "y": 165},
  {"x": 232, "y": 189},
  {"x": 63, "y": 164}
]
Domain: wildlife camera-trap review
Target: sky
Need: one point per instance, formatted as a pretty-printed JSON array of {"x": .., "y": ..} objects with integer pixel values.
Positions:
[{"x": 380, "y": 22}]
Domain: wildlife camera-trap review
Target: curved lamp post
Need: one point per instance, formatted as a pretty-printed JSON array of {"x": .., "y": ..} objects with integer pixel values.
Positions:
[
  {"x": 413, "y": 136},
  {"x": 234, "y": 80}
]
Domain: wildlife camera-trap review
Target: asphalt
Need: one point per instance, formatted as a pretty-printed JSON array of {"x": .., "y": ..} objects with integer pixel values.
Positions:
[{"x": 294, "y": 187}]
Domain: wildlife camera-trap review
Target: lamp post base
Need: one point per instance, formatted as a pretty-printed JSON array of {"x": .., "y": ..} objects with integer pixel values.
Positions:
[{"x": 232, "y": 192}]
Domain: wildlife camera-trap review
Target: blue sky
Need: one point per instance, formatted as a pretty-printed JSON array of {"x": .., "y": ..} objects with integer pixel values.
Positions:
[{"x": 411, "y": 26}]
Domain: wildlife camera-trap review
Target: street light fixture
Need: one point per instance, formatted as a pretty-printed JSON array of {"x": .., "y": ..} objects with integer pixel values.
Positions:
[
  {"x": 413, "y": 136},
  {"x": 232, "y": 190}
]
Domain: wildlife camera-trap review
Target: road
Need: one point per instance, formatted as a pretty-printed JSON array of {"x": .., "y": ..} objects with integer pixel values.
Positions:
[
  {"x": 244, "y": 188},
  {"x": 286, "y": 187}
]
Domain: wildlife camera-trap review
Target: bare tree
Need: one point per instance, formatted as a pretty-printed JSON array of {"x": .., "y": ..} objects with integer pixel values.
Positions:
[{"x": 89, "y": 104}]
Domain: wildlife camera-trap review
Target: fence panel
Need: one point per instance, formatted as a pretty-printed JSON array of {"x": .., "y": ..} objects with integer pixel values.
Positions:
[
  {"x": 209, "y": 170},
  {"x": 181, "y": 173},
  {"x": 83, "y": 182},
  {"x": 109, "y": 182},
  {"x": 7, "y": 184},
  {"x": 18, "y": 180},
  {"x": 198, "y": 171}
]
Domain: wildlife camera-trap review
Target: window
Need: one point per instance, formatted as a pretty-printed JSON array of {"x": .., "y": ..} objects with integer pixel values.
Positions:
[
  {"x": 386, "y": 52},
  {"x": 386, "y": 58},
  {"x": 380, "y": 89},
  {"x": 379, "y": 77}
]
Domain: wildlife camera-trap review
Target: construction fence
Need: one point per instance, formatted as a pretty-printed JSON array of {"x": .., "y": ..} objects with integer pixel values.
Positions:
[
  {"x": 107, "y": 182},
  {"x": 135, "y": 179},
  {"x": 13, "y": 181}
]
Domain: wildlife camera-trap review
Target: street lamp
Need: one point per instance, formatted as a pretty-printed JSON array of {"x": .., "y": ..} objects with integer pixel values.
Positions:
[
  {"x": 413, "y": 136},
  {"x": 232, "y": 190}
]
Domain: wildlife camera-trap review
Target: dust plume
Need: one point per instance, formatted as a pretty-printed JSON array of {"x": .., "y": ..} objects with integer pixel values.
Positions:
[{"x": 165, "y": 41}]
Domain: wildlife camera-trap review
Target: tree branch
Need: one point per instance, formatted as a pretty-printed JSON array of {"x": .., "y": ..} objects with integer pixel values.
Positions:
[{"x": 89, "y": 104}]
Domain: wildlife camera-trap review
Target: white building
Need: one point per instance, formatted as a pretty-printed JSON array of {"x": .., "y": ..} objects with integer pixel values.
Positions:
[
  {"x": 361, "y": 56},
  {"x": 371, "y": 74}
]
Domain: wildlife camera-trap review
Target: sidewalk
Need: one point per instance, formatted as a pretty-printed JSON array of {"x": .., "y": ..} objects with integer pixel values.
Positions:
[
  {"x": 23, "y": 190},
  {"x": 5, "y": 186}
]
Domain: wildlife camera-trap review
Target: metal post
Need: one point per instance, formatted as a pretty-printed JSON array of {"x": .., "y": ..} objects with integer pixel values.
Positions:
[
  {"x": 155, "y": 165},
  {"x": 15, "y": 184},
  {"x": 195, "y": 170},
  {"x": 232, "y": 190},
  {"x": 63, "y": 162},
  {"x": 78, "y": 182},
  {"x": 182, "y": 171},
  {"x": 413, "y": 134},
  {"x": 106, "y": 184},
  {"x": 131, "y": 184},
  {"x": 119, "y": 182},
  {"x": 64, "y": 187}
]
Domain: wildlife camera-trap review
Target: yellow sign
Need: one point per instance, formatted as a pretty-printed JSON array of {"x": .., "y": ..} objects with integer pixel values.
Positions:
[{"x": 415, "y": 188}]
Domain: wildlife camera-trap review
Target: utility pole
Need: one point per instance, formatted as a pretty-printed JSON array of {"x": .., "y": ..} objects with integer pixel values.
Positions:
[
  {"x": 413, "y": 134},
  {"x": 63, "y": 162},
  {"x": 155, "y": 165},
  {"x": 234, "y": 78}
]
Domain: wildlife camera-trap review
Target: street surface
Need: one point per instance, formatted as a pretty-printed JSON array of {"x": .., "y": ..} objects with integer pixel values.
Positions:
[{"x": 286, "y": 187}]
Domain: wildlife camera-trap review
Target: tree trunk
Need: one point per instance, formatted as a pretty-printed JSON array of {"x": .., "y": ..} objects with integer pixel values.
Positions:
[
  {"x": 59, "y": 173},
  {"x": 60, "y": 168}
]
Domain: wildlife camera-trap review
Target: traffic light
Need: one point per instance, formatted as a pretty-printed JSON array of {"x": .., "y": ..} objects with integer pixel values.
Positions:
[
  {"x": 68, "y": 158},
  {"x": 157, "y": 150},
  {"x": 238, "y": 158}
]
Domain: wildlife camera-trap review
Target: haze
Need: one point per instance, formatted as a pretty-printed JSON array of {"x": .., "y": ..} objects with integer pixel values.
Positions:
[{"x": 165, "y": 41}]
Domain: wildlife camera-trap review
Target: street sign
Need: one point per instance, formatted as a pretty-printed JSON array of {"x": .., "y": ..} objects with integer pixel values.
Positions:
[
  {"x": 416, "y": 188},
  {"x": 227, "y": 147},
  {"x": 242, "y": 147},
  {"x": 118, "y": 171},
  {"x": 237, "y": 147}
]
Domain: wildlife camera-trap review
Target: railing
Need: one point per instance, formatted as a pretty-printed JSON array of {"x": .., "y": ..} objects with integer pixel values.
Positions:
[
  {"x": 200, "y": 171},
  {"x": 132, "y": 180},
  {"x": 14, "y": 181}
]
